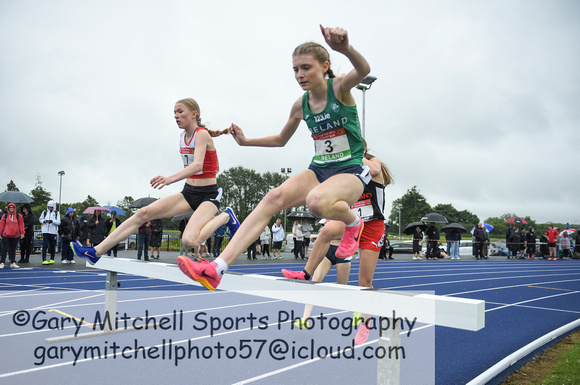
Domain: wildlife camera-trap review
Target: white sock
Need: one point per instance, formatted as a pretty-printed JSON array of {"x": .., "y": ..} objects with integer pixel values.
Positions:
[
  {"x": 355, "y": 223},
  {"x": 221, "y": 267}
]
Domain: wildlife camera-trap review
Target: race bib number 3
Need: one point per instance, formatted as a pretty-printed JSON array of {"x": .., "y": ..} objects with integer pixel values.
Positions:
[{"x": 331, "y": 146}]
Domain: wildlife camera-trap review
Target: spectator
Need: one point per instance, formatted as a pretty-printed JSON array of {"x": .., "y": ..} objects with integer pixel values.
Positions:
[
  {"x": 97, "y": 228},
  {"x": 509, "y": 232},
  {"x": 144, "y": 238},
  {"x": 432, "y": 239},
  {"x": 386, "y": 249},
  {"x": 183, "y": 250},
  {"x": 553, "y": 238},
  {"x": 298, "y": 240},
  {"x": 523, "y": 240},
  {"x": 84, "y": 238},
  {"x": 417, "y": 243},
  {"x": 278, "y": 234},
  {"x": 50, "y": 220},
  {"x": 265, "y": 239},
  {"x": 544, "y": 250},
  {"x": 453, "y": 242},
  {"x": 70, "y": 231},
  {"x": 218, "y": 236},
  {"x": 12, "y": 230},
  {"x": 110, "y": 225},
  {"x": 514, "y": 243},
  {"x": 531, "y": 243},
  {"x": 252, "y": 249},
  {"x": 307, "y": 230},
  {"x": 480, "y": 241},
  {"x": 26, "y": 242},
  {"x": 156, "y": 237},
  {"x": 566, "y": 245},
  {"x": 577, "y": 246}
]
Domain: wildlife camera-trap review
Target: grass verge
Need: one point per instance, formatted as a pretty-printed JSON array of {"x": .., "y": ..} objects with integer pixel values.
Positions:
[{"x": 558, "y": 365}]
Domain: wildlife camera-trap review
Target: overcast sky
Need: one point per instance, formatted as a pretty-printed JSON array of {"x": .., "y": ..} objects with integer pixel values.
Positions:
[{"x": 477, "y": 103}]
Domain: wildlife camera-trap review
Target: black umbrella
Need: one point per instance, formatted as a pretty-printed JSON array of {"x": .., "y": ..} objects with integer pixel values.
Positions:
[
  {"x": 453, "y": 226},
  {"x": 15, "y": 197},
  {"x": 295, "y": 215},
  {"x": 142, "y": 202},
  {"x": 180, "y": 217},
  {"x": 434, "y": 217},
  {"x": 410, "y": 228}
]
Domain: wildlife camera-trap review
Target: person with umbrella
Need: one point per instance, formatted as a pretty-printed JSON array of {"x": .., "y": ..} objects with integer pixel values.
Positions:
[
  {"x": 11, "y": 230},
  {"x": 97, "y": 228},
  {"x": 50, "y": 219},
  {"x": 481, "y": 241},
  {"x": 26, "y": 242},
  {"x": 417, "y": 242},
  {"x": 432, "y": 239},
  {"x": 200, "y": 196}
]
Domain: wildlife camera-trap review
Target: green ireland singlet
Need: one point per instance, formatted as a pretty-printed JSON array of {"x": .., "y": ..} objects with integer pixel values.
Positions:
[{"x": 336, "y": 132}]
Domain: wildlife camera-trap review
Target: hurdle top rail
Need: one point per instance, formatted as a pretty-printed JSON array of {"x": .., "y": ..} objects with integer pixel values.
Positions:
[{"x": 454, "y": 312}]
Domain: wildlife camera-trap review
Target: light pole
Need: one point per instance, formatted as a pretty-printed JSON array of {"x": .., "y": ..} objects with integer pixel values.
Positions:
[
  {"x": 285, "y": 172},
  {"x": 399, "y": 208},
  {"x": 365, "y": 85},
  {"x": 60, "y": 174}
]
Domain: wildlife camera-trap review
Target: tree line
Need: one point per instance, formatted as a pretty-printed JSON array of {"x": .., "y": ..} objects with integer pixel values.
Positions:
[
  {"x": 413, "y": 206},
  {"x": 244, "y": 188}
]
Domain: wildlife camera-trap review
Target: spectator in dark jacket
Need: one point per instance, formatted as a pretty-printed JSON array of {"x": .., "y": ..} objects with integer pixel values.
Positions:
[
  {"x": 70, "y": 231},
  {"x": 84, "y": 239},
  {"x": 432, "y": 239},
  {"x": 481, "y": 241},
  {"x": 26, "y": 242},
  {"x": 97, "y": 228},
  {"x": 544, "y": 250},
  {"x": 531, "y": 243},
  {"x": 514, "y": 243},
  {"x": 156, "y": 237},
  {"x": 144, "y": 238}
]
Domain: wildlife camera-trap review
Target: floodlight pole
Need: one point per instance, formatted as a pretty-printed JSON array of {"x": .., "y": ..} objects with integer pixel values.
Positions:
[
  {"x": 364, "y": 86},
  {"x": 60, "y": 174},
  {"x": 285, "y": 172},
  {"x": 399, "y": 208}
]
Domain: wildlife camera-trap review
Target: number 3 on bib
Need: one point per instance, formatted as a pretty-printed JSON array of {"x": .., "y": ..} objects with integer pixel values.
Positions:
[{"x": 331, "y": 146}]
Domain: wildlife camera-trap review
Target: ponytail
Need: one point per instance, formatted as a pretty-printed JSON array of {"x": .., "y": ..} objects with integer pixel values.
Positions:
[{"x": 387, "y": 176}]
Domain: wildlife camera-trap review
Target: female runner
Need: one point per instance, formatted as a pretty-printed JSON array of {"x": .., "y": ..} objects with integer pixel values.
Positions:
[
  {"x": 200, "y": 195},
  {"x": 370, "y": 207}
]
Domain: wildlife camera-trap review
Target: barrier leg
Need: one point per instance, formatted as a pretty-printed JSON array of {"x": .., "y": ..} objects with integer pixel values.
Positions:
[
  {"x": 389, "y": 368},
  {"x": 111, "y": 298}
]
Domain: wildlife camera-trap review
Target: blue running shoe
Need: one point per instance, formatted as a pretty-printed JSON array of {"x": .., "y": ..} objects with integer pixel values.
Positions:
[
  {"x": 233, "y": 224},
  {"x": 85, "y": 252}
]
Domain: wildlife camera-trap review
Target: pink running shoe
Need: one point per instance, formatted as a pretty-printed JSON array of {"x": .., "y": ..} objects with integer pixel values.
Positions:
[
  {"x": 203, "y": 272},
  {"x": 350, "y": 241},
  {"x": 291, "y": 274},
  {"x": 362, "y": 335}
]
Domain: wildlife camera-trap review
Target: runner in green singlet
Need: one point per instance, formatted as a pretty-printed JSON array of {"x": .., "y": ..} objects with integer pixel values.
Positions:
[{"x": 336, "y": 175}]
